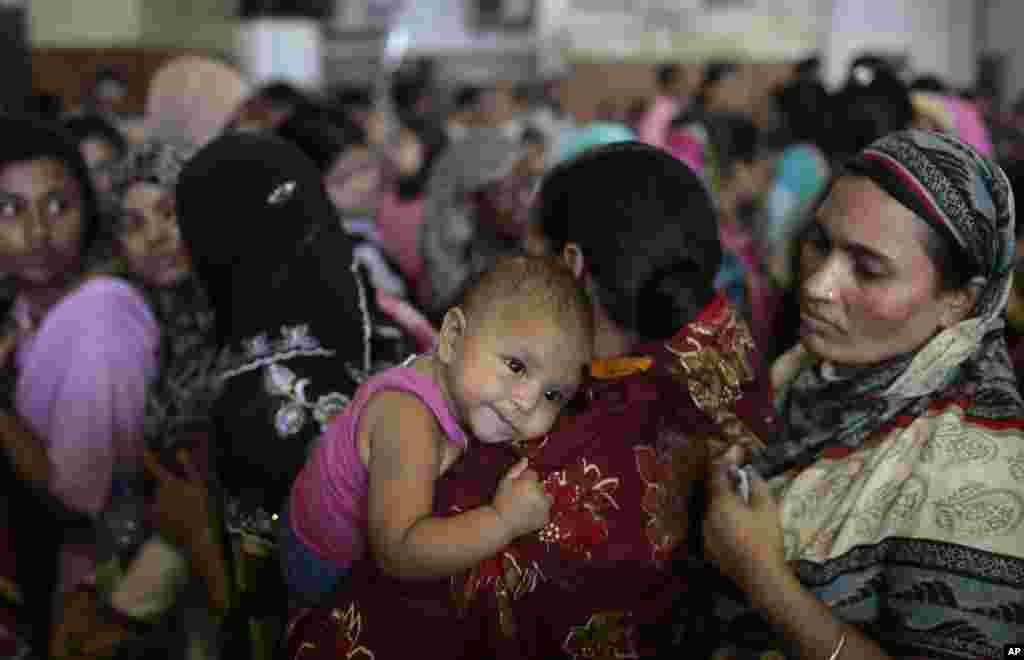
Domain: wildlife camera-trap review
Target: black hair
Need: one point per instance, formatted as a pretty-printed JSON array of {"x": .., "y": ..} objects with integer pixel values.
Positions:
[
  {"x": 1014, "y": 170},
  {"x": 279, "y": 92},
  {"x": 868, "y": 110},
  {"x": 467, "y": 98},
  {"x": 434, "y": 141},
  {"x": 809, "y": 67},
  {"x": 647, "y": 227},
  {"x": 735, "y": 138},
  {"x": 88, "y": 127},
  {"x": 24, "y": 138},
  {"x": 805, "y": 109},
  {"x": 667, "y": 75},
  {"x": 929, "y": 83},
  {"x": 524, "y": 93},
  {"x": 321, "y": 139},
  {"x": 532, "y": 135},
  {"x": 45, "y": 105},
  {"x": 353, "y": 98}
]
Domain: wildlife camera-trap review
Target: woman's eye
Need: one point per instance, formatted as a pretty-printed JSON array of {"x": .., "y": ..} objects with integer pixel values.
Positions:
[
  {"x": 8, "y": 209},
  {"x": 867, "y": 272},
  {"x": 56, "y": 206},
  {"x": 515, "y": 366}
]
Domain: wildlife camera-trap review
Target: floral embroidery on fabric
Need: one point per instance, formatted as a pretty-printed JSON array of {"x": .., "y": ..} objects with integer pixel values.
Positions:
[
  {"x": 281, "y": 381},
  {"x": 348, "y": 626},
  {"x": 714, "y": 359},
  {"x": 976, "y": 510},
  {"x": 507, "y": 573},
  {"x": 581, "y": 496},
  {"x": 260, "y": 351},
  {"x": 605, "y": 636},
  {"x": 668, "y": 479}
]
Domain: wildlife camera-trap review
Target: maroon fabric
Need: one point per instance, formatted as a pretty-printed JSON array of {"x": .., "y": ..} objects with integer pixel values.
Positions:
[{"x": 602, "y": 579}]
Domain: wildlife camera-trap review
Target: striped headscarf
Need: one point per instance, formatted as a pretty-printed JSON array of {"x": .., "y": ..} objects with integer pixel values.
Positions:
[{"x": 968, "y": 200}]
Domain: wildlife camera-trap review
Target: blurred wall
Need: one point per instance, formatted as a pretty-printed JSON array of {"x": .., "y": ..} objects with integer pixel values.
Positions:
[
  {"x": 1004, "y": 21},
  {"x": 188, "y": 24},
  {"x": 937, "y": 36}
]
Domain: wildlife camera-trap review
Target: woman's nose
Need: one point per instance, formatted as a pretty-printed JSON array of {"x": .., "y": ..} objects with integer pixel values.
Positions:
[
  {"x": 37, "y": 226},
  {"x": 823, "y": 282}
]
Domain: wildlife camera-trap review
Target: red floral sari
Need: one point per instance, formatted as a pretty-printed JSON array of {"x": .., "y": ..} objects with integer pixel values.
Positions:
[{"x": 607, "y": 577}]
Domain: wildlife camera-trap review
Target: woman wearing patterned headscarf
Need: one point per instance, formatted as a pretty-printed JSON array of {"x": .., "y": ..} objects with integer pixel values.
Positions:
[
  {"x": 892, "y": 521},
  {"x": 471, "y": 215}
]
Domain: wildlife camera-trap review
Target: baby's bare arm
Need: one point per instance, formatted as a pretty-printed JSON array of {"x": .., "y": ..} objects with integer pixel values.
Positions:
[{"x": 408, "y": 541}]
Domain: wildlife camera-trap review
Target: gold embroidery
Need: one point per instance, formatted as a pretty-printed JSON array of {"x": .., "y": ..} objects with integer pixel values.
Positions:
[
  {"x": 605, "y": 636},
  {"x": 714, "y": 360}
]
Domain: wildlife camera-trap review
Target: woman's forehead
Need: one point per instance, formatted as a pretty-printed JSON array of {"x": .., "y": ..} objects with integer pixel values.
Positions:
[
  {"x": 858, "y": 211},
  {"x": 41, "y": 172}
]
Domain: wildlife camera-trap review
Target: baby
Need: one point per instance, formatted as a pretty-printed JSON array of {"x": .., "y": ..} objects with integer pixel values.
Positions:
[{"x": 509, "y": 358}]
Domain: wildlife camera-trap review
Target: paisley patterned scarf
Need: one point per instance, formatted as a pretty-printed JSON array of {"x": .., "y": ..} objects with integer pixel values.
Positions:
[{"x": 965, "y": 197}]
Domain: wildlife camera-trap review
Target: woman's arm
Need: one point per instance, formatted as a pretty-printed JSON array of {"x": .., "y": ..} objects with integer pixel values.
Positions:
[
  {"x": 181, "y": 507},
  {"x": 408, "y": 541},
  {"x": 745, "y": 542}
]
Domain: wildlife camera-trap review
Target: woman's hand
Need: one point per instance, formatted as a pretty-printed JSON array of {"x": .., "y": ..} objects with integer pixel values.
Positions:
[
  {"x": 743, "y": 540},
  {"x": 180, "y": 506}
]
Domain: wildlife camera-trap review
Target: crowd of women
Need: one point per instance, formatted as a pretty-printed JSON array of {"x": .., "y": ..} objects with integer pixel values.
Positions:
[{"x": 370, "y": 376}]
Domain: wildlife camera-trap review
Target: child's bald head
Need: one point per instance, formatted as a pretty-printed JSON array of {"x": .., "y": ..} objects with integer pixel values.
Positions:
[{"x": 536, "y": 288}]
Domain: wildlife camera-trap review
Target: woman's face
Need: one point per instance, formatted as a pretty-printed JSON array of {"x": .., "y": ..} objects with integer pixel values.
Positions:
[
  {"x": 354, "y": 180},
  {"x": 869, "y": 290},
  {"x": 409, "y": 155},
  {"x": 149, "y": 237},
  {"x": 41, "y": 221}
]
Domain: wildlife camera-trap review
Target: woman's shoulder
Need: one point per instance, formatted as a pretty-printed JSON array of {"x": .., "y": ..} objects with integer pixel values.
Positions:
[{"x": 106, "y": 304}]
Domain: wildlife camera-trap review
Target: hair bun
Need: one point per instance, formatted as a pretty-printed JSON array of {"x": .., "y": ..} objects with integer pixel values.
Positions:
[{"x": 672, "y": 297}]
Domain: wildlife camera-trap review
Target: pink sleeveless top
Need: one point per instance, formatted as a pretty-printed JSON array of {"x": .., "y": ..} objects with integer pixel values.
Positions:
[{"x": 327, "y": 509}]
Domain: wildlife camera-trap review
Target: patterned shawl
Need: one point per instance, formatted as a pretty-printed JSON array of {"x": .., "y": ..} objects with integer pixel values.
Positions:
[{"x": 961, "y": 194}]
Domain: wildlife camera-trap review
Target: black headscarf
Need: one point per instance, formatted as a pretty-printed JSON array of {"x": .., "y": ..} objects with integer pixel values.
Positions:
[{"x": 267, "y": 243}]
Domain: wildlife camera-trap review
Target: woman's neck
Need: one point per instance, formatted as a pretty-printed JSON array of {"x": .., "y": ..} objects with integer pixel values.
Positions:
[{"x": 41, "y": 299}]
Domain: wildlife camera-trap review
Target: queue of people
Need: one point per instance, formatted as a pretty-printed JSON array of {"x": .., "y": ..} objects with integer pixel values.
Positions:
[{"x": 307, "y": 377}]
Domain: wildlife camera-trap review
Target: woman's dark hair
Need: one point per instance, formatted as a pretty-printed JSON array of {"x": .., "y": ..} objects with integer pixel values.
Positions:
[
  {"x": 667, "y": 75},
  {"x": 804, "y": 107},
  {"x": 647, "y": 227},
  {"x": 24, "y": 138},
  {"x": 434, "y": 141},
  {"x": 929, "y": 83},
  {"x": 1014, "y": 170},
  {"x": 735, "y": 139},
  {"x": 88, "y": 127},
  {"x": 322, "y": 137},
  {"x": 467, "y": 98},
  {"x": 868, "y": 108}
]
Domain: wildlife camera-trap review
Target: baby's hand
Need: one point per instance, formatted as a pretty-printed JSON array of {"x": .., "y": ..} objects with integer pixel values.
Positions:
[{"x": 521, "y": 501}]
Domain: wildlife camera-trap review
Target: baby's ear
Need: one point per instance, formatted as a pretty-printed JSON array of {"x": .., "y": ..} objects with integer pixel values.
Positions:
[{"x": 453, "y": 331}]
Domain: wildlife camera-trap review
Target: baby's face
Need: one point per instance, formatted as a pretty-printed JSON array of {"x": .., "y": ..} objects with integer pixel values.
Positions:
[{"x": 512, "y": 377}]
